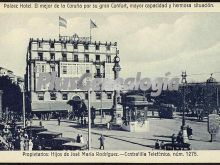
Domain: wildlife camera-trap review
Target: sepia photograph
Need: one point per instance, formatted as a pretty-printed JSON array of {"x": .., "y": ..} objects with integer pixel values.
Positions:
[{"x": 111, "y": 81}]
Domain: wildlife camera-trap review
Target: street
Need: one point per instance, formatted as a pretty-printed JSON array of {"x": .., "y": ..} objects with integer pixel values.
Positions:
[{"x": 161, "y": 129}]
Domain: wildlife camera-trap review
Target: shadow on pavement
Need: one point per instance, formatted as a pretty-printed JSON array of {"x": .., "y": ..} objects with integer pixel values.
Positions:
[
  {"x": 158, "y": 139},
  {"x": 113, "y": 137},
  {"x": 164, "y": 136}
]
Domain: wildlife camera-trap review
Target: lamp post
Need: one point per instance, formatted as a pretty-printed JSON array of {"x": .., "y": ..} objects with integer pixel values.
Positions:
[
  {"x": 118, "y": 110},
  {"x": 183, "y": 127},
  {"x": 23, "y": 99},
  {"x": 213, "y": 117},
  {"x": 1, "y": 92},
  {"x": 89, "y": 121}
]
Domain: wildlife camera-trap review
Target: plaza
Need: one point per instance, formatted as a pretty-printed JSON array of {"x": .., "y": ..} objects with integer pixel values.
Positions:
[{"x": 116, "y": 139}]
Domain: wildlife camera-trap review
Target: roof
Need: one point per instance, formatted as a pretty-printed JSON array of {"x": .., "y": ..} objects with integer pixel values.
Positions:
[
  {"x": 64, "y": 138},
  {"x": 63, "y": 106},
  {"x": 71, "y": 40},
  {"x": 49, "y": 133},
  {"x": 74, "y": 144},
  {"x": 135, "y": 96}
]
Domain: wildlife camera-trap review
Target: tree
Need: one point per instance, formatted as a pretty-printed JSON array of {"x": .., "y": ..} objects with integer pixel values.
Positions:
[{"x": 12, "y": 96}]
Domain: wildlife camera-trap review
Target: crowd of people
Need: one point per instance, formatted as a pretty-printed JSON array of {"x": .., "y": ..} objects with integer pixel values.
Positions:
[{"x": 13, "y": 137}]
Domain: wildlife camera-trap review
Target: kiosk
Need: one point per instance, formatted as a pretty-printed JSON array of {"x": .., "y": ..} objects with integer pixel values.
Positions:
[{"x": 135, "y": 114}]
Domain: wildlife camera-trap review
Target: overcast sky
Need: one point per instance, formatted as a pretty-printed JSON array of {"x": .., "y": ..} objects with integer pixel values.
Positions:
[{"x": 150, "y": 43}]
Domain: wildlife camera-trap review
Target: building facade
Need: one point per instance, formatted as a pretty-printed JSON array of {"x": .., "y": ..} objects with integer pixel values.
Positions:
[
  {"x": 11, "y": 75},
  {"x": 68, "y": 57}
]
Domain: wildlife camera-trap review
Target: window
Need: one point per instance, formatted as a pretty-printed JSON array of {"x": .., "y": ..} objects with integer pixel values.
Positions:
[
  {"x": 109, "y": 95},
  {"x": 76, "y": 58},
  {"x": 98, "y": 71},
  {"x": 86, "y": 59},
  {"x": 86, "y": 96},
  {"x": 40, "y": 44},
  {"x": 43, "y": 68},
  {"x": 86, "y": 46},
  {"x": 64, "y": 57},
  {"x": 97, "y": 47},
  {"x": 98, "y": 96},
  {"x": 63, "y": 45},
  {"x": 52, "y": 45},
  {"x": 40, "y": 96},
  {"x": 108, "y": 58},
  {"x": 75, "y": 46},
  {"x": 53, "y": 96},
  {"x": 108, "y": 47},
  {"x": 65, "y": 96},
  {"x": 87, "y": 71},
  {"x": 64, "y": 69},
  {"x": 97, "y": 57},
  {"x": 40, "y": 56},
  {"x": 52, "y": 68},
  {"x": 52, "y": 56}
]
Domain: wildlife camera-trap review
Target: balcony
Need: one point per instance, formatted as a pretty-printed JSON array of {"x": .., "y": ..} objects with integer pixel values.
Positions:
[
  {"x": 81, "y": 60},
  {"x": 99, "y": 62},
  {"x": 99, "y": 75}
]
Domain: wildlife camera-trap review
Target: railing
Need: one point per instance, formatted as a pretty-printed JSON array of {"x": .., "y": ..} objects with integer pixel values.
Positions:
[
  {"x": 100, "y": 75},
  {"x": 73, "y": 60}
]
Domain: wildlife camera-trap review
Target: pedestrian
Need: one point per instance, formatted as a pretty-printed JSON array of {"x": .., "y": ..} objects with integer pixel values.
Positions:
[
  {"x": 40, "y": 123},
  {"x": 78, "y": 139},
  {"x": 81, "y": 139},
  {"x": 30, "y": 145},
  {"x": 108, "y": 126},
  {"x": 179, "y": 138},
  {"x": 157, "y": 145},
  {"x": 101, "y": 140},
  {"x": 162, "y": 145},
  {"x": 58, "y": 120},
  {"x": 26, "y": 145},
  {"x": 173, "y": 138},
  {"x": 189, "y": 132},
  {"x": 84, "y": 122},
  {"x": 22, "y": 144}
]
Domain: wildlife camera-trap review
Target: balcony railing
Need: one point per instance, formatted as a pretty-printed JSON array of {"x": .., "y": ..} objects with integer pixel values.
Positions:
[
  {"x": 99, "y": 75},
  {"x": 73, "y": 60}
]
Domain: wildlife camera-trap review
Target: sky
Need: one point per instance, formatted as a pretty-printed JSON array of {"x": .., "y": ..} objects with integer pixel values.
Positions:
[{"x": 150, "y": 43}]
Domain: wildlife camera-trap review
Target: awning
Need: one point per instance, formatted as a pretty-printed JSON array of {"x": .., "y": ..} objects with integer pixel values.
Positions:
[{"x": 63, "y": 106}]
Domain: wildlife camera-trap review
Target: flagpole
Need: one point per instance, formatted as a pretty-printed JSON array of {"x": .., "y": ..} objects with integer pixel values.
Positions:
[
  {"x": 59, "y": 28},
  {"x": 90, "y": 31}
]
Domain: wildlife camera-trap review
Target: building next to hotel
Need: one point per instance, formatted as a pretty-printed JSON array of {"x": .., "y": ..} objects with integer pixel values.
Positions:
[{"x": 69, "y": 57}]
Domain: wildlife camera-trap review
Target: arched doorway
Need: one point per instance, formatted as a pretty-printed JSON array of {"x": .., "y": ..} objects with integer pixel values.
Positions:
[{"x": 78, "y": 107}]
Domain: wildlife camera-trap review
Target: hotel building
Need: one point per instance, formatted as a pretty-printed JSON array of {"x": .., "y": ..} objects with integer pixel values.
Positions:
[{"x": 69, "y": 57}]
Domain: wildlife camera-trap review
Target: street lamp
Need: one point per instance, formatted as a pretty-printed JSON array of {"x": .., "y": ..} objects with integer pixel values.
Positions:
[{"x": 183, "y": 127}]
